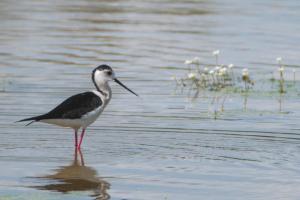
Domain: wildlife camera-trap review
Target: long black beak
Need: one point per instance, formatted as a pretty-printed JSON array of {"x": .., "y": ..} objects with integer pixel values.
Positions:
[{"x": 120, "y": 83}]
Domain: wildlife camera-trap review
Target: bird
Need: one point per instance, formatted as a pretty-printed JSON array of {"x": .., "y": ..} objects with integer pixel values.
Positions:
[{"x": 81, "y": 110}]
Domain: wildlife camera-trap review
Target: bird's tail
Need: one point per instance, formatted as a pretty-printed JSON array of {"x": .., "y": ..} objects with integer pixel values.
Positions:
[{"x": 32, "y": 119}]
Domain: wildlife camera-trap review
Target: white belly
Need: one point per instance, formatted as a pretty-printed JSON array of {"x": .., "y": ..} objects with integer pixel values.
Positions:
[
  {"x": 91, "y": 117},
  {"x": 82, "y": 122}
]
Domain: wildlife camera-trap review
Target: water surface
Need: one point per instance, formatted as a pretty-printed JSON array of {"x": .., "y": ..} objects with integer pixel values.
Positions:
[{"x": 163, "y": 145}]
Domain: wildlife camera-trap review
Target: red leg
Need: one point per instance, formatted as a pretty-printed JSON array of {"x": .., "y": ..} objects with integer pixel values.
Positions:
[
  {"x": 75, "y": 156},
  {"x": 81, "y": 138},
  {"x": 81, "y": 157},
  {"x": 76, "y": 141}
]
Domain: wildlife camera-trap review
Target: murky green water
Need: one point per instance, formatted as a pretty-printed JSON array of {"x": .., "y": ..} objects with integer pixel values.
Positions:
[{"x": 164, "y": 145}]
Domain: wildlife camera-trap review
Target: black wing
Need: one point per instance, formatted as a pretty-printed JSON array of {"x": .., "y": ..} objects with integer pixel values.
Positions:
[{"x": 72, "y": 108}]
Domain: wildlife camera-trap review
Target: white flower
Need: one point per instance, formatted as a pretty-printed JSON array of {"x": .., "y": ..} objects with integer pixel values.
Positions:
[
  {"x": 245, "y": 72},
  {"x": 230, "y": 66},
  {"x": 173, "y": 77},
  {"x": 279, "y": 59},
  {"x": 216, "y": 52},
  {"x": 196, "y": 60},
  {"x": 191, "y": 75},
  {"x": 211, "y": 71},
  {"x": 205, "y": 69},
  {"x": 217, "y": 68},
  {"x": 281, "y": 69},
  {"x": 203, "y": 75},
  {"x": 188, "y": 62},
  {"x": 222, "y": 71}
]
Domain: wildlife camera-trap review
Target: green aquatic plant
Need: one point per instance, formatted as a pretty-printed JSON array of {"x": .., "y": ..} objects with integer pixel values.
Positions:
[
  {"x": 231, "y": 71},
  {"x": 216, "y": 54},
  {"x": 195, "y": 61},
  {"x": 218, "y": 77},
  {"x": 206, "y": 77},
  {"x": 281, "y": 75},
  {"x": 246, "y": 79},
  {"x": 221, "y": 83},
  {"x": 281, "y": 80}
]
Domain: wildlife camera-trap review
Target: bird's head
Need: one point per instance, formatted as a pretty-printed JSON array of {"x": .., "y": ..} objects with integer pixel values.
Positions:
[{"x": 103, "y": 74}]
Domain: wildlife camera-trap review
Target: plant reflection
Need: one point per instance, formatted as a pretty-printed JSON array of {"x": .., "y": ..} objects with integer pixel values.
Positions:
[{"x": 77, "y": 177}]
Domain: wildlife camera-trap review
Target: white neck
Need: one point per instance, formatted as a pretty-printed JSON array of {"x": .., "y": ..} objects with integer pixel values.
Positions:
[
  {"x": 104, "y": 89},
  {"x": 100, "y": 80}
]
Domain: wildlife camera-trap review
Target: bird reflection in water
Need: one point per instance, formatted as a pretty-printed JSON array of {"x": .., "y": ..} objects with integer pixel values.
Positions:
[{"x": 77, "y": 177}]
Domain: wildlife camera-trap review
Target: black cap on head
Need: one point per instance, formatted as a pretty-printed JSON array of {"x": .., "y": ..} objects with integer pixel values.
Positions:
[{"x": 103, "y": 67}]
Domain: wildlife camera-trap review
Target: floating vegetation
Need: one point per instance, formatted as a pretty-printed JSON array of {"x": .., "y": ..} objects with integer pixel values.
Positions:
[
  {"x": 281, "y": 75},
  {"x": 217, "y": 77},
  {"x": 224, "y": 80},
  {"x": 213, "y": 78}
]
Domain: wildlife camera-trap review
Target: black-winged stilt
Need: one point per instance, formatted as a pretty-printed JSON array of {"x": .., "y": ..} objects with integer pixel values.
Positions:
[{"x": 81, "y": 110}]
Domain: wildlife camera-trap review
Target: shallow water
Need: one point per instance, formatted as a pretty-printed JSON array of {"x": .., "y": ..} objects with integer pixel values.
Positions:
[{"x": 164, "y": 145}]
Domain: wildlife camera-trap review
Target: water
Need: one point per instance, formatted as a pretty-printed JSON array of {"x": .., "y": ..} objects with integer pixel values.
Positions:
[{"x": 163, "y": 145}]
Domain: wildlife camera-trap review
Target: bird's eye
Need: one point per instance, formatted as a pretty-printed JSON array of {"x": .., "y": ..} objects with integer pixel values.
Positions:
[{"x": 109, "y": 73}]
